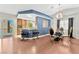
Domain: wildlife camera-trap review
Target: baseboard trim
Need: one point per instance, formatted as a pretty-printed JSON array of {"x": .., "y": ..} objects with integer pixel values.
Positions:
[{"x": 19, "y": 36}]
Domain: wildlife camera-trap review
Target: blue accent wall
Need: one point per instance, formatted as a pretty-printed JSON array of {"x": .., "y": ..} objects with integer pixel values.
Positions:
[
  {"x": 40, "y": 26},
  {"x": 39, "y": 20}
]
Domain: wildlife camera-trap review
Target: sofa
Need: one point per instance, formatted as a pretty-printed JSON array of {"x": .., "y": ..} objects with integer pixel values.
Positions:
[{"x": 29, "y": 33}]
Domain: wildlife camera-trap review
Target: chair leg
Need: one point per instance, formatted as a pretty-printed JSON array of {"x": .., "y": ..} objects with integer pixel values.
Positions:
[
  {"x": 22, "y": 39},
  {"x": 37, "y": 36}
]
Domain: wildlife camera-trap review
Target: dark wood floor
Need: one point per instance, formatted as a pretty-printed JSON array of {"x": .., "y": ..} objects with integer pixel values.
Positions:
[{"x": 42, "y": 45}]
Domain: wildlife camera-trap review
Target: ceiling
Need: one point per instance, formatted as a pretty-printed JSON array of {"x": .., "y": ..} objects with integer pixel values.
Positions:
[{"x": 48, "y": 9}]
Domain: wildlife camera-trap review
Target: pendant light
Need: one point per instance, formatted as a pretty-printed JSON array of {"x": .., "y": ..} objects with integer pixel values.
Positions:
[{"x": 59, "y": 14}]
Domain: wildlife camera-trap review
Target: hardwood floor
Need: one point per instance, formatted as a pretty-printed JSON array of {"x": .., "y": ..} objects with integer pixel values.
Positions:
[{"x": 43, "y": 45}]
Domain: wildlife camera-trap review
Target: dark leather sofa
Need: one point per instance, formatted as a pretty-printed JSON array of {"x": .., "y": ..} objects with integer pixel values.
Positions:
[{"x": 29, "y": 33}]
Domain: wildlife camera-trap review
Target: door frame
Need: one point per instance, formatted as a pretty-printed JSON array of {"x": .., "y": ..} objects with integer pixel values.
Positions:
[{"x": 70, "y": 24}]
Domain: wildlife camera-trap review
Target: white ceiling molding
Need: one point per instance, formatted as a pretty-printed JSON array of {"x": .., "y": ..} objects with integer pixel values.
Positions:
[{"x": 49, "y": 9}]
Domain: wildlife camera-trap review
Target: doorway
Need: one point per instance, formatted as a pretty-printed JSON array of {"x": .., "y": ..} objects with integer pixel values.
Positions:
[
  {"x": 70, "y": 24},
  {"x": 58, "y": 23}
]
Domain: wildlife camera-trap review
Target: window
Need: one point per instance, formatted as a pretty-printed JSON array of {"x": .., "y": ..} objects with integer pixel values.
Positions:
[{"x": 45, "y": 23}]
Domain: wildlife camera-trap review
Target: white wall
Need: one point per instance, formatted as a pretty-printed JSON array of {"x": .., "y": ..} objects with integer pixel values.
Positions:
[
  {"x": 75, "y": 23},
  {"x": 54, "y": 23},
  {"x": 68, "y": 14}
]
